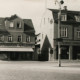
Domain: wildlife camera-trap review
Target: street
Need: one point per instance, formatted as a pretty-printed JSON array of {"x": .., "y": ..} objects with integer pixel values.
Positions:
[{"x": 36, "y": 70}]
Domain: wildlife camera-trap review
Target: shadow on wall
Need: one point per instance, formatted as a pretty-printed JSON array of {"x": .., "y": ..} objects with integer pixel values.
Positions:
[{"x": 45, "y": 49}]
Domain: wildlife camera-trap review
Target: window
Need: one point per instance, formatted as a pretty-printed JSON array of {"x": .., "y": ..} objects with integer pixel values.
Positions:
[
  {"x": 44, "y": 20},
  {"x": 1, "y": 38},
  {"x": 48, "y": 19},
  {"x": 63, "y": 32},
  {"x": 19, "y": 25},
  {"x": 19, "y": 38},
  {"x": 9, "y": 38},
  {"x": 5, "y": 23},
  {"x": 0, "y": 24},
  {"x": 42, "y": 36},
  {"x": 11, "y": 24},
  {"x": 27, "y": 38},
  {"x": 77, "y": 18},
  {"x": 78, "y": 34},
  {"x": 51, "y": 21},
  {"x": 63, "y": 17}
]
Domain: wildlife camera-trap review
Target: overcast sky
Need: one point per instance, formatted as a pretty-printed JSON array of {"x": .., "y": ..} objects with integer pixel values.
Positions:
[{"x": 32, "y": 8}]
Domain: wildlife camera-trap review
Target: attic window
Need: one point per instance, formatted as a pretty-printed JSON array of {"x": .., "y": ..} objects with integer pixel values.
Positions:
[
  {"x": 77, "y": 18},
  {"x": 18, "y": 24},
  {"x": 63, "y": 17},
  {"x": 11, "y": 24}
]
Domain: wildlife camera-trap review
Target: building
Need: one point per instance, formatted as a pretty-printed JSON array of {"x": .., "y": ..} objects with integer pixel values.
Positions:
[
  {"x": 17, "y": 38},
  {"x": 69, "y": 34},
  {"x": 45, "y": 38}
]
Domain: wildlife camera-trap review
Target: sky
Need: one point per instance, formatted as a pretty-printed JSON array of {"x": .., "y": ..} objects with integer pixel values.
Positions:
[{"x": 33, "y": 9}]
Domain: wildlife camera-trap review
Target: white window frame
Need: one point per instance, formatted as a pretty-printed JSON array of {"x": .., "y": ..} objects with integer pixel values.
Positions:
[
  {"x": 1, "y": 37},
  {"x": 19, "y": 27},
  {"x": 78, "y": 34},
  {"x": 11, "y": 24},
  {"x": 18, "y": 37},
  {"x": 63, "y": 17},
  {"x": 5, "y": 23},
  {"x": 64, "y": 32},
  {"x": 77, "y": 18},
  {"x": 10, "y": 38},
  {"x": 28, "y": 38}
]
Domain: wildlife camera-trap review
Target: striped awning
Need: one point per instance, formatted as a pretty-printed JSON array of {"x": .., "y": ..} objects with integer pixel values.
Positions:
[{"x": 17, "y": 49}]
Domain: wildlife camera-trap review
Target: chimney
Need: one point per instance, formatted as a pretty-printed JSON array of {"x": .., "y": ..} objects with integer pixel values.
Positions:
[{"x": 65, "y": 7}]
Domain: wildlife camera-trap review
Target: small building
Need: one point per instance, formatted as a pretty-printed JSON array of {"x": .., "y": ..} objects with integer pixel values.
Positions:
[
  {"x": 69, "y": 34},
  {"x": 17, "y": 38}
]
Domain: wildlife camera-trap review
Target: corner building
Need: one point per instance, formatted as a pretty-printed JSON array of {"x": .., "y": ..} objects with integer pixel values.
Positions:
[
  {"x": 69, "y": 33},
  {"x": 17, "y": 38}
]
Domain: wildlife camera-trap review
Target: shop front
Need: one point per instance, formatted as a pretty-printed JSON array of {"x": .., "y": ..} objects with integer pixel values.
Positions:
[{"x": 18, "y": 53}]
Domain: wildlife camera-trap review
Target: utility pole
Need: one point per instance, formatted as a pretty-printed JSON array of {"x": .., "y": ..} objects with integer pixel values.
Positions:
[{"x": 59, "y": 31}]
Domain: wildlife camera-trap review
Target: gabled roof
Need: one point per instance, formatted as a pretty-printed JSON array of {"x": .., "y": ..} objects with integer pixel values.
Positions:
[
  {"x": 68, "y": 11},
  {"x": 28, "y": 22},
  {"x": 70, "y": 14},
  {"x": 28, "y": 25}
]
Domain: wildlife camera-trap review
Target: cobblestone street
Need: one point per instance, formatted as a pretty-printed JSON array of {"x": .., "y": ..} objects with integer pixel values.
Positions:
[{"x": 35, "y": 70}]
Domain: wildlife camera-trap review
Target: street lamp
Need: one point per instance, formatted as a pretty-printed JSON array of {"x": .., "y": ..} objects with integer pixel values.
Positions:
[{"x": 59, "y": 25}]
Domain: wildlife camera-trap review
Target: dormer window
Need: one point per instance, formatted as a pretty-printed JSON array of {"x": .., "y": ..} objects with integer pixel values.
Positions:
[
  {"x": 11, "y": 24},
  {"x": 18, "y": 25},
  {"x": 77, "y": 18},
  {"x": 63, "y": 17}
]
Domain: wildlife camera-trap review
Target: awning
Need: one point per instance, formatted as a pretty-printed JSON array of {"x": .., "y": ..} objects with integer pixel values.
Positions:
[{"x": 17, "y": 49}]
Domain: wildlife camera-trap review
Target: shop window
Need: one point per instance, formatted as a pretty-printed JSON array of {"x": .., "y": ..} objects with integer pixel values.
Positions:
[
  {"x": 10, "y": 38},
  {"x": 63, "y": 32}
]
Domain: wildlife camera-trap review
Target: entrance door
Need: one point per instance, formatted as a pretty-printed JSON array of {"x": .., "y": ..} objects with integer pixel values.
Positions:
[
  {"x": 76, "y": 52},
  {"x": 64, "y": 52}
]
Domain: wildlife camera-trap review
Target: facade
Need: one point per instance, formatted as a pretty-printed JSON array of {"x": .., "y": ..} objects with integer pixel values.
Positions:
[
  {"x": 45, "y": 38},
  {"x": 17, "y": 38},
  {"x": 69, "y": 34}
]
